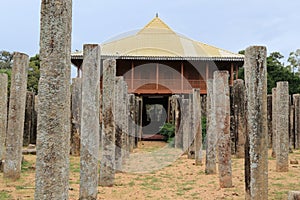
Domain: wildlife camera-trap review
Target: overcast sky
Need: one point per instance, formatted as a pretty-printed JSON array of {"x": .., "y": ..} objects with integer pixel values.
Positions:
[{"x": 228, "y": 24}]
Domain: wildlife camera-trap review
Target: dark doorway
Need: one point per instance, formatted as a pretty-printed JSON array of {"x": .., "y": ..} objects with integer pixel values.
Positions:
[{"x": 155, "y": 112}]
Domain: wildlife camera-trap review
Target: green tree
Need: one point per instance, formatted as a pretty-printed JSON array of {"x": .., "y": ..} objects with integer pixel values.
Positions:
[
  {"x": 33, "y": 70},
  {"x": 5, "y": 59},
  {"x": 278, "y": 72},
  {"x": 294, "y": 60},
  {"x": 33, "y": 74}
]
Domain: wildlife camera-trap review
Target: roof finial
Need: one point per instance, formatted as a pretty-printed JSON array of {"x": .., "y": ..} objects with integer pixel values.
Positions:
[{"x": 157, "y": 15}]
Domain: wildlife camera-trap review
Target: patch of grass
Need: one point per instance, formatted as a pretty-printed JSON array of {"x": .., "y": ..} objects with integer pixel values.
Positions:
[
  {"x": 75, "y": 167},
  {"x": 277, "y": 184},
  {"x": 131, "y": 183},
  {"x": 4, "y": 195},
  {"x": 280, "y": 195},
  {"x": 26, "y": 166},
  {"x": 19, "y": 187}
]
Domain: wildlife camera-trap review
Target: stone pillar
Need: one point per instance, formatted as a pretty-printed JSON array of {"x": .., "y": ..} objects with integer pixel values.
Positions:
[
  {"x": 222, "y": 126},
  {"x": 296, "y": 100},
  {"x": 197, "y": 126},
  {"x": 256, "y": 157},
  {"x": 274, "y": 117},
  {"x": 34, "y": 132},
  {"x": 282, "y": 126},
  {"x": 76, "y": 116},
  {"x": 178, "y": 123},
  {"x": 131, "y": 123},
  {"x": 211, "y": 135},
  {"x": 185, "y": 125},
  {"x": 238, "y": 92},
  {"x": 54, "y": 115},
  {"x": 191, "y": 133},
  {"x": 107, "y": 169},
  {"x": 269, "y": 118},
  {"x": 3, "y": 113},
  {"x": 29, "y": 118},
  {"x": 291, "y": 127},
  {"x": 118, "y": 120},
  {"x": 16, "y": 117},
  {"x": 294, "y": 195},
  {"x": 125, "y": 136},
  {"x": 89, "y": 148}
]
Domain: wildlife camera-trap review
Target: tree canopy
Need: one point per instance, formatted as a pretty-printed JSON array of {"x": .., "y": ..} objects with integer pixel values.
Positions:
[{"x": 278, "y": 72}]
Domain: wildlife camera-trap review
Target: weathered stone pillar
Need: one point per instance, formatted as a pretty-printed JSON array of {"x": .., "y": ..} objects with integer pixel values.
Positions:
[
  {"x": 191, "y": 133},
  {"x": 256, "y": 157},
  {"x": 29, "y": 118},
  {"x": 269, "y": 118},
  {"x": 119, "y": 121},
  {"x": 291, "y": 126},
  {"x": 178, "y": 123},
  {"x": 89, "y": 148},
  {"x": 274, "y": 117},
  {"x": 107, "y": 169},
  {"x": 197, "y": 126},
  {"x": 125, "y": 137},
  {"x": 16, "y": 117},
  {"x": 211, "y": 135},
  {"x": 76, "y": 116},
  {"x": 132, "y": 125},
  {"x": 238, "y": 91},
  {"x": 54, "y": 115},
  {"x": 282, "y": 127},
  {"x": 222, "y": 117},
  {"x": 294, "y": 195},
  {"x": 185, "y": 125},
  {"x": 296, "y": 101},
  {"x": 3, "y": 113}
]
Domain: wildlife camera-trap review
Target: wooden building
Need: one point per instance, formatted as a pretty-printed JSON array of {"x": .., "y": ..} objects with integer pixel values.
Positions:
[{"x": 157, "y": 62}]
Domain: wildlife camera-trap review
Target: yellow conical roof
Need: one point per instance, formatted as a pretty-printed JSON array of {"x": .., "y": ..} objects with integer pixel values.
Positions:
[{"x": 158, "y": 40}]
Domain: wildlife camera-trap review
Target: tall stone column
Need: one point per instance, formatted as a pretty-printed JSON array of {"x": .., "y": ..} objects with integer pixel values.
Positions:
[
  {"x": 197, "y": 126},
  {"x": 89, "y": 148},
  {"x": 178, "y": 122},
  {"x": 119, "y": 121},
  {"x": 211, "y": 135},
  {"x": 282, "y": 126},
  {"x": 53, "y": 138},
  {"x": 294, "y": 195},
  {"x": 256, "y": 158},
  {"x": 238, "y": 91},
  {"x": 191, "y": 133},
  {"x": 29, "y": 118},
  {"x": 185, "y": 125},
  {"x": 269, "y": 117},
  {"x": 296, "y": 100},
  {"x": 125, "y": 136},
  {"x": 222, "y": 126},
  {"x": 16, "y": 117},
  {"x": 132, "y": 125},
  {"x": 107, "y": 169},
  {"x": 291, "y": 127},
  {"x": 76, "y": 116},
  {"x": 274, "y": 117},
  {"x": 3, "y": 113}
]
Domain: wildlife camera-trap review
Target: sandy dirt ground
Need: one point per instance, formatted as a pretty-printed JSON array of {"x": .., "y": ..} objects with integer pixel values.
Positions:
[{"x": 156, "y": 171}]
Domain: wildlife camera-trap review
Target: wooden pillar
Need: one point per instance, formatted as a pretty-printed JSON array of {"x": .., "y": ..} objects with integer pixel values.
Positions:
[
  {"x": 256, "y": 156},
  {"x": 231, "y": 74},
  {"x": 207, "y": 71},
  {"x": 157, "y": 75},
  {"x": 132, "y": 75},
  {"x": 236, "y": 72},
  {"x": 89, "y": 134},
  {"x": 182, "y": 76},
  {"x": 16, "y": 116}
]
